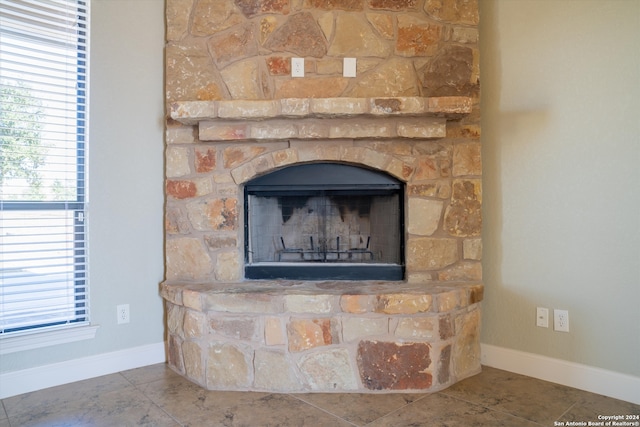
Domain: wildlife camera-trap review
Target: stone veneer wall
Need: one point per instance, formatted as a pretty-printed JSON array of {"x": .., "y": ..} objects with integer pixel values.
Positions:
[
  {"x": 241, "y": 50},
  {"x": 230, "y": 54}
]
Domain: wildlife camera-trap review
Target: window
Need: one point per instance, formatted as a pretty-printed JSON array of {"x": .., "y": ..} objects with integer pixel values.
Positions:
[{"x": 43, "y": 129}]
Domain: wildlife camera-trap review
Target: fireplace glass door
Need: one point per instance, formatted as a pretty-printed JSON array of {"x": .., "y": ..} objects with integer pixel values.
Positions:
[{"x": 324, "y": 221}]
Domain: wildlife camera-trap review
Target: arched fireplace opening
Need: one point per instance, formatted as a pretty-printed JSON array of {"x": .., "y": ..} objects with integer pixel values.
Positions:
[{"x": 321, "y": 221}]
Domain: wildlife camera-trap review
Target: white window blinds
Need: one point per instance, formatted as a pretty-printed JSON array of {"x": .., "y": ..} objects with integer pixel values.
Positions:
[{"x": 43, "y": 119}]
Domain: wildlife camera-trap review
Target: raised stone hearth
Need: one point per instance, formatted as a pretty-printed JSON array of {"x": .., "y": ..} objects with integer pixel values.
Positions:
[
  {"x": 236, "y": 119},
  {"x": 324, "y": 336}
]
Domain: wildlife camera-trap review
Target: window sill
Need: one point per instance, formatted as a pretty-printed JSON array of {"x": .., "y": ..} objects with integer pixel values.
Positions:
[{"x": 46, "y": 338}]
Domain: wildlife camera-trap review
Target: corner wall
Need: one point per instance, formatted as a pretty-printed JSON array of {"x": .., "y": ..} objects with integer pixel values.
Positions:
[
  {"x": 561, "y": 149},
  {"x": 126, "y": 199}
]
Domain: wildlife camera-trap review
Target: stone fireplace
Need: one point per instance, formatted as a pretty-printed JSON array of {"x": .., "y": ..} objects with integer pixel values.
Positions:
[{"x": 323, "y": 232}]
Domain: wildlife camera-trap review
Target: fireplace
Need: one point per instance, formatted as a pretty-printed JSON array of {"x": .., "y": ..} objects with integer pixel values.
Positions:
[
  {"x": 323, "y": 221},
  {"x": 323, "y": 233},
  {"x": 339, "y": 252}
]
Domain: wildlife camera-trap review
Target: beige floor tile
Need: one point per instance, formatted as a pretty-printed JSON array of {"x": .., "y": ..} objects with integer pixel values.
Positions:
[
  {"x": 279, "y": 410},
  {"x": 186, "y": 400},
  {"x": 442, "y": 410},
  {"x": 528, "y": 398},
  {"x": 126, "y": 407},
  {"x": 54, "y": 398},
  {"x": 148, "y": 374},
  {"x": 191, "y": 405},
  {"x": 360, "y": 409},
  {"x": 590, "y": 406}
]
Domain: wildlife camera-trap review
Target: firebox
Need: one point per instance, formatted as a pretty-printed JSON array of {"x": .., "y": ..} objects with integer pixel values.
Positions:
[{"x": 322, "y": 221}]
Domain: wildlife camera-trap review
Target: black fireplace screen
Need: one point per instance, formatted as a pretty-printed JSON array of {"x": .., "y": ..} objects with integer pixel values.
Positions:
[{"x": 324, "y": 221}]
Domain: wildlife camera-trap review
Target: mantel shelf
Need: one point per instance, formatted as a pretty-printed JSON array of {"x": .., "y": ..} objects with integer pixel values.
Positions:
[
  {"x": 194, "y": 112},
  {"x": 321, "y": 118}
]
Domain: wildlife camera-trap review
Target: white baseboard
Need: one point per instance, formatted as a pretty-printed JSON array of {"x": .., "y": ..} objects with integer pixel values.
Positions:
[
  {"x": 596, "y": 380},
  {"x": 27, "y": 380}
]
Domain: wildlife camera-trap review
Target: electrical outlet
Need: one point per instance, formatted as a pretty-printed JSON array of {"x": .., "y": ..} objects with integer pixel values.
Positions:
[
  {"x": 542, "y": 317},
  {"x": 297, "y": 67},
  {"x": 122, "y": 312},
  {"x": 561, "y": 320}
]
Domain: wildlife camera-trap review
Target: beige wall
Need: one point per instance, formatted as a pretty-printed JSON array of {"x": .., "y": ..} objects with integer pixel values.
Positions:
[
  {"x": 561, "y": 160},
  {"x": 125, "y": 182}
]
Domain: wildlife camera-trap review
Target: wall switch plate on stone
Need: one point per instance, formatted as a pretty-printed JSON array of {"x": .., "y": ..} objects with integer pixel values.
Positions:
[{"x": 349, "y": 67}]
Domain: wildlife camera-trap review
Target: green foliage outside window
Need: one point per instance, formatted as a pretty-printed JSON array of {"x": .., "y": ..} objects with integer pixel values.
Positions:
[{"x": 22, "y": 152}]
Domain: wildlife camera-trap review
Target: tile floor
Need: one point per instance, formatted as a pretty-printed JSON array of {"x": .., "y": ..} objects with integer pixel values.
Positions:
[{"x": 156, "y": 396}]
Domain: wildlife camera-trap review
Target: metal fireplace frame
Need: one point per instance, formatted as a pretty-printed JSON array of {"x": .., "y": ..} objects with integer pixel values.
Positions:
[{"x": 325, "y": 179}]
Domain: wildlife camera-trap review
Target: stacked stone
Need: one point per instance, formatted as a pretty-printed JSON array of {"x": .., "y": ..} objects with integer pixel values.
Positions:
[
  {"x": 323, "y": 337},
  {"x": 321, "y": 118},
  {"x": 242, "y": 49},
  {"x": 443, "y": 185},
  {"x": 235, "y": 113}
]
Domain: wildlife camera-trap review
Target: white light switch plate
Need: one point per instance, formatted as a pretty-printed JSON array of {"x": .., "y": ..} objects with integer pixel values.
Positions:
[
  {"x": 542, "y": 317},
  {"x": 349, "y": 67}
]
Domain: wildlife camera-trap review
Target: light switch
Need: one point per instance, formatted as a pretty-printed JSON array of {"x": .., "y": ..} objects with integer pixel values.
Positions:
[{"x": 349, "y": 67}]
